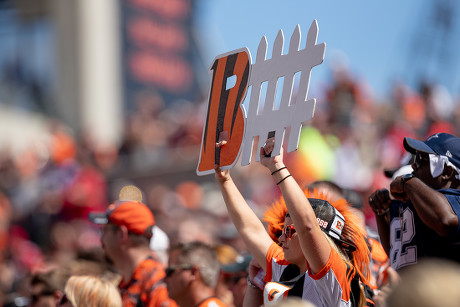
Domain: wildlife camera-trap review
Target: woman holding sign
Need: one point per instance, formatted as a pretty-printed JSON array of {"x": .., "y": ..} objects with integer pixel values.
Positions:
[{"x": 321, "y": 256}]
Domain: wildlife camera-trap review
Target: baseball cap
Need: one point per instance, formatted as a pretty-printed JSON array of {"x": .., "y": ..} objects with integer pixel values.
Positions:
[
  {"x": 443, "y": 144},
  {"x": 241, "y": 264},
  {"x": 134, "y": 215},
  {"x": 330, "y": 220}
]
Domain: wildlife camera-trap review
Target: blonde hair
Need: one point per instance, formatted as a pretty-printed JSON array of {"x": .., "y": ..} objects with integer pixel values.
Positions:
[{"x": 91, "y": 291}]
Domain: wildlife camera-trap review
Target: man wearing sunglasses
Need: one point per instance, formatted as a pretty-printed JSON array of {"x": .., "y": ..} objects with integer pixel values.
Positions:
[
  {"x": 192, "y": 275},
  {"x": 126, "y": 241},
  {"x": 419, "y": 216}
]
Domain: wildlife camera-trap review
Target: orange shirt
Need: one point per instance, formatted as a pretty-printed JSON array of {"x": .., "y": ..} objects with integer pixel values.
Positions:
[
  {"x": 379, "y": 263},
  {"x": 146, "y": 285}
]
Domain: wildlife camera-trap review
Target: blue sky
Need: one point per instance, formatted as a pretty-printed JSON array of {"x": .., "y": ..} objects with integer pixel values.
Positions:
[{"x": 375, "y": 37}]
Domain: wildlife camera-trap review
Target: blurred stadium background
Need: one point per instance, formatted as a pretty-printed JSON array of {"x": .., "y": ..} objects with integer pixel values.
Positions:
[
  {"x": 93, "y": 68},
  {"x": 98, "y": 94}
]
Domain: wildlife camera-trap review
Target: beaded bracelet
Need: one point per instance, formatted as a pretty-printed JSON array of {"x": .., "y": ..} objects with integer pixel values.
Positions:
[
  {"x": 278, "y": 170},
  {"x": 251, "y": 284},
  {"x": 283, "y": 179}
]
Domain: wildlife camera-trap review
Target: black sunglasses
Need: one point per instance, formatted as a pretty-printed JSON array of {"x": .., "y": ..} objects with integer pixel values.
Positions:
[
  {"x": 172, "y": 268},
  {"x": 421, "y": 157},
  {"x": 36, "y": 297}
]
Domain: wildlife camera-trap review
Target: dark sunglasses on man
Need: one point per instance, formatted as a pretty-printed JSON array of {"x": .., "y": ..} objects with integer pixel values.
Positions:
[
  {"x": 35, "y": 297},
  {"x": 420, "y": 158},
  {"x": 173, "y": 268}
]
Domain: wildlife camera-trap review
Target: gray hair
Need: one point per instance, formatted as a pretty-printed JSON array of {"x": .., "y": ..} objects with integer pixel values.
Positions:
[{"x": 202, "y": 256}]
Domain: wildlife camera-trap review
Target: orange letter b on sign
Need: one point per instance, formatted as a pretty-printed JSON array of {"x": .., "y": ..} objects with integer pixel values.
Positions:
[{"x": 225, "y": 113}]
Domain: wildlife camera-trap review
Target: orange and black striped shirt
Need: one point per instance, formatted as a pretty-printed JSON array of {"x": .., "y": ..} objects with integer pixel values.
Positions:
[{"x": 146, "y": 287}]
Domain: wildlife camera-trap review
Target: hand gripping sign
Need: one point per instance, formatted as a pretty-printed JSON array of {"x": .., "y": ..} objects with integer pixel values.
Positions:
[{"x": 226, "y": 118}]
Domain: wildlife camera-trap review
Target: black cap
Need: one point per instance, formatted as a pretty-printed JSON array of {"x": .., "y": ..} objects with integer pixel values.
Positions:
[{"x": 330, "y": 220}]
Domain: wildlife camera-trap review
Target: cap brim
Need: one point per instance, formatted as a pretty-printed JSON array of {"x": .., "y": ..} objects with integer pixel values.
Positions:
[
  {"x": 389, "y": 172},
  {"x": 412, "y": 146},
  {"x": 238, "y": 266},
  {"x": 233, "y": 268},
  {"x": 98, "y": 218},
  {"x": 350, "y": 247}
]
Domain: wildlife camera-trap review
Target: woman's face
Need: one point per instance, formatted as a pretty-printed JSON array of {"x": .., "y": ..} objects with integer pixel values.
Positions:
[{"x": 291, "y": 246}]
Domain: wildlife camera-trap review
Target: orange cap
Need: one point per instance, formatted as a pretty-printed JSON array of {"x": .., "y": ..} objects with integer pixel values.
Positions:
[{"x": 135, "y": 216}]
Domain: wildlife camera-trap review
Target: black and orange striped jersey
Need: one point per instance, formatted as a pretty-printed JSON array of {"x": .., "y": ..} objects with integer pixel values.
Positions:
[
  {"x": 337, "y": 284},
  {"x": 379, "y": 263},
  {"x": 146, "y": 287}
]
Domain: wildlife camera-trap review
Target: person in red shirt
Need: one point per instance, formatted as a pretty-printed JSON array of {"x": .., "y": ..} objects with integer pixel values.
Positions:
[
  {"x": 125, "y": 239},
  {"x": 192, "y": 275}
]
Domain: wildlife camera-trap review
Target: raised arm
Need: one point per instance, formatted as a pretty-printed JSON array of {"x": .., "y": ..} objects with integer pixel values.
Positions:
[
  {"x": 249, "y": 226},
  {"x": 314, "y": 244},
  {"x": 432, "y": 206},
  {"x": 380, "y": 203}
]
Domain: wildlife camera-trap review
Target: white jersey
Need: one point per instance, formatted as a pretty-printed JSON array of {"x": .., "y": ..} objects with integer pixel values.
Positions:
[{"x": 330, "y": 287}]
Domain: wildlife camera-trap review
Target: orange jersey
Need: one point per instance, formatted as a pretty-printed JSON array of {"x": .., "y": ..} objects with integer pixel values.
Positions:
[
  {"x": 212, "y": 302},
  {"x": 146, "y": 287}
]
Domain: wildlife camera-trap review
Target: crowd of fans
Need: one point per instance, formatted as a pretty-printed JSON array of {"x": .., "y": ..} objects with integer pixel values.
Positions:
[{"x": 45, "y": 198}]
